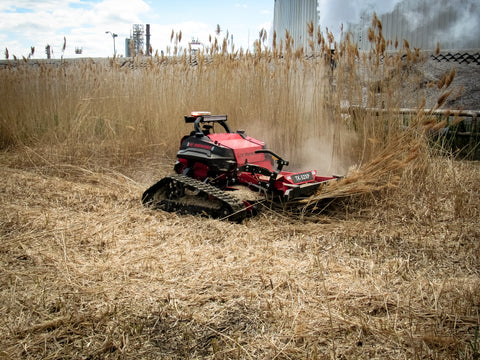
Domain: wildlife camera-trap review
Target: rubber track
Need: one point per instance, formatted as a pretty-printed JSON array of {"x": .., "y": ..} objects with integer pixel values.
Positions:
[{"x": 236, "y": 205}]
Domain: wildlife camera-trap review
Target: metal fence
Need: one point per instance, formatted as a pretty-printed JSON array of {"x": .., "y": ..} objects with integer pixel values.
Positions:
[
  {"x": 459, "y": 57},
  {"x": 459, "y": 136}
]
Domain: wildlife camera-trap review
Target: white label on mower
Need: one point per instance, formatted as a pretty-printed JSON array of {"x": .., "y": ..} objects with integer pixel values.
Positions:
[{"x": 302, "y": 177}]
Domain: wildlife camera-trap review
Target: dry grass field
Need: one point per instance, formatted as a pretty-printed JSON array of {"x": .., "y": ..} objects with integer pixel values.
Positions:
[{"x": 389, "y": 270}]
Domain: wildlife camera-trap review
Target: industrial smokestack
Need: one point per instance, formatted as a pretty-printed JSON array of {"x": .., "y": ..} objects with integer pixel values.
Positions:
[{"x": 148, "y": 41}]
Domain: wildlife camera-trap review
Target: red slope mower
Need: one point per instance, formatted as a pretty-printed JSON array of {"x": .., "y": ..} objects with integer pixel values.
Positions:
[{"x": 225, "y": 174}]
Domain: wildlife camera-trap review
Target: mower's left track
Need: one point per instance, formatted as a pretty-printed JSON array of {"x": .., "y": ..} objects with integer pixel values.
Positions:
[{"x": 185, "y": 195}]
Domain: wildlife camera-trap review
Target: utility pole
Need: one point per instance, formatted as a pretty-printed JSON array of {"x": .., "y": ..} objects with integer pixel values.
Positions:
[{"x": 113, "y": 37}]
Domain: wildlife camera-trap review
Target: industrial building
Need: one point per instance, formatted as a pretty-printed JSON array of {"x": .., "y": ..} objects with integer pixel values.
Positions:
[
  {"x": 135, "y": 43},
  {"x": 453, "y": 24},
  {"x": 293, "y": 16}
]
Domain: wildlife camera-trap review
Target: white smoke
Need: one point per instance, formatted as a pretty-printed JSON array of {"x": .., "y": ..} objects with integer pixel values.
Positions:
[
  {"x": 334, "y": 14},
  {"x": 453, "y": 23}
]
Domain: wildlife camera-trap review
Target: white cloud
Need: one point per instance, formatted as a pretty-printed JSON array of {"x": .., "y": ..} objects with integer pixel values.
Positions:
[
  {"x": 161, "y": 34},
  {"x": 267, "y": 25},
  {"x": 27, "y": 23},
  {"x": 119, "y": 11},
  {"x": 38, "y": 23},
  {"x": 35, "y": 5}
]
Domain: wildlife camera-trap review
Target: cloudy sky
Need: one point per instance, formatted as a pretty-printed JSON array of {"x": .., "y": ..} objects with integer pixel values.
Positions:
[{"x": 27, "y": 23}]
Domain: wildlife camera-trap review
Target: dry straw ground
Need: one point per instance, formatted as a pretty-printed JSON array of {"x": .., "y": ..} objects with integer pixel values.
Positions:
[{"x": 88, "y": 273}]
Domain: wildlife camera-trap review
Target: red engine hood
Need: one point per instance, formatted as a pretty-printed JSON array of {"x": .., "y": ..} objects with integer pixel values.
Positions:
[{"x": 244, "y": 148}]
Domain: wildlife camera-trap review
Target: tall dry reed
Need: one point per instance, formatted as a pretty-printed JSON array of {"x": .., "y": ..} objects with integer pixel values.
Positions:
[
  {"x": 87, "y": 272},
  {"x": 307, "y": 104}
]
